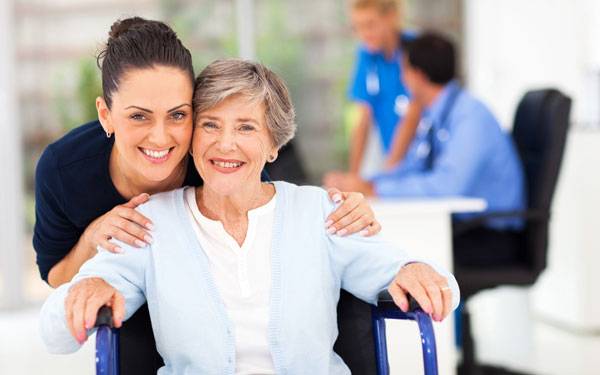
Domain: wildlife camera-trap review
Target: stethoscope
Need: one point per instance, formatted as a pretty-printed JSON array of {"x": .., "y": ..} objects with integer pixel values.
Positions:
[
  {"x": 373, "y": 89},
  {"x": 427, "y": 132},
  {"x": 372, "y": 80}
]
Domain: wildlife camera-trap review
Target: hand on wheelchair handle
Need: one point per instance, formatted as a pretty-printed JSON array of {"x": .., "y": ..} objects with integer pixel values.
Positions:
[
  {"x": 84, "y": 300},
  {"x": 105, "y": 317},
  {"x": 426, "y": 286}
]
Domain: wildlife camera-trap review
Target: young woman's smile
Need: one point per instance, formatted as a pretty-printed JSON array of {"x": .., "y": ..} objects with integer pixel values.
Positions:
[{"x": 156, "y": 156}]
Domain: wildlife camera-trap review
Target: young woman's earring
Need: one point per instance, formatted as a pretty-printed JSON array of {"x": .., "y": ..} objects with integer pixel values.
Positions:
[
  {"x": 271, "y": 158},
  {"x": 108, "y": 134}
]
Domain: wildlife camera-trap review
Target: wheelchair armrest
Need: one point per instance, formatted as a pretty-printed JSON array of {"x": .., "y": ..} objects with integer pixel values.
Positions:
[
  {"x": 385, "y": 301},
  {"x": 104, "y": 317},
  {"x": 479, "y": 221}
]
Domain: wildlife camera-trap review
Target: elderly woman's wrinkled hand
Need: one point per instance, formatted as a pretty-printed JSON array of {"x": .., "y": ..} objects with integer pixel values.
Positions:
[
  {"x": 352, "y": 216},
  {"x": 428, "y": 288},
  {"x": 84, "y": 300}
]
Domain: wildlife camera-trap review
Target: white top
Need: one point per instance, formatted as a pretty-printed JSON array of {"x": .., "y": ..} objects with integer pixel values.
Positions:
[{"x": 243, "y": 277}]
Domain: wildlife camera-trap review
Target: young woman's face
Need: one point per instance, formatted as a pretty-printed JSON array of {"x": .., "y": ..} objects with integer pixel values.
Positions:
[
  {"x": 232, "y": 144},
  {"x": 373, "y": 27},
  {"x": 151, "y": 117}
]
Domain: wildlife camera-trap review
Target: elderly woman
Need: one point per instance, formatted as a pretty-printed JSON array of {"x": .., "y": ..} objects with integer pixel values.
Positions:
[{"x": 242, "y": 277}]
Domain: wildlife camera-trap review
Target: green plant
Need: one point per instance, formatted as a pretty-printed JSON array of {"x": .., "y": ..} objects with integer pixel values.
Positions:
[{"x": 74, "y": 110}]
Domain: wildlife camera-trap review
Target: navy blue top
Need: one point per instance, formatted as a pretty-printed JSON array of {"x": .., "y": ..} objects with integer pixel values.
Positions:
[{"x": 72, "y": 188}]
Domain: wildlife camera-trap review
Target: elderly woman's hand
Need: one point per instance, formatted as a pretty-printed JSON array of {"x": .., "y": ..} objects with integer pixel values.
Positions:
[
  {"x": 83, "y": 302},
  {"x": 353, "y": 215},
  {"x": 428, "y": 287}
]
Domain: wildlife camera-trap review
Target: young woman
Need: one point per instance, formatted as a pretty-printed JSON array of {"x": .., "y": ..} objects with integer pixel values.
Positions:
[
  {"x": 89, "y": 183},
  {"x": 242, "y": 277}
]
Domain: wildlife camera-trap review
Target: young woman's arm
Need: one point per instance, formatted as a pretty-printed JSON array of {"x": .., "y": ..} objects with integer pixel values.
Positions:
[
  {"x": 60, "y": 244},
  {"x": 122, "y": 222}
]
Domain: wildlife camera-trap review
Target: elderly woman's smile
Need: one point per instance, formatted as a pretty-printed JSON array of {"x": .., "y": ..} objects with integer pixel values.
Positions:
[{"x": 227, "y": 165}]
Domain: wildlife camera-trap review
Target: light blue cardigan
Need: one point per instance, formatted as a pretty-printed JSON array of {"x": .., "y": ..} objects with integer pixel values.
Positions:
[{"x": 190, "y": 324}]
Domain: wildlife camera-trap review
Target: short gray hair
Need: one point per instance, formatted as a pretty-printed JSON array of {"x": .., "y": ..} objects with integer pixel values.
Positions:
[{"x": 224, "y": 78}]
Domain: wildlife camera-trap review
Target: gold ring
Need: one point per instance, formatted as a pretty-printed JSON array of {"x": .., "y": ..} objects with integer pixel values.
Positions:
[{"x": 444, "y": 288}]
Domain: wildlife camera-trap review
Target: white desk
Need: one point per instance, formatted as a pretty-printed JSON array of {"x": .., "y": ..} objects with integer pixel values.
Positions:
[{"x": 424, "y": 229}]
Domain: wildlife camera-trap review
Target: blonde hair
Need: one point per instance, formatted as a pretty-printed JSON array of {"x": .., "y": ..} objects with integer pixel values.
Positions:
[
  {"x": 225, "y": 78},
  {"x": 383, "y": 6}
]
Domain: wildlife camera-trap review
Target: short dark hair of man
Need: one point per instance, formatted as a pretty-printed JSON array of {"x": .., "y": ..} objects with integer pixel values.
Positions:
[{"x": 434, "y": 55}]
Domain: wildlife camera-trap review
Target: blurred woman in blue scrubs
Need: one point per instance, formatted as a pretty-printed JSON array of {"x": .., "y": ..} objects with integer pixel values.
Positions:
[{"x": 376, "y": 86}]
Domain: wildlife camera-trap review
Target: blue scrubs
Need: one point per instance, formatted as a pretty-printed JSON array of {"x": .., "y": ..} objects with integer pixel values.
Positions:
[
  {"x": 377, "y": 81},
  {"x": 471, "y": 157}
]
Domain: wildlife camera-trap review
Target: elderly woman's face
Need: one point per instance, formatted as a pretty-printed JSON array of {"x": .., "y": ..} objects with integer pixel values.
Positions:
[{"x": 231, "y": 144}]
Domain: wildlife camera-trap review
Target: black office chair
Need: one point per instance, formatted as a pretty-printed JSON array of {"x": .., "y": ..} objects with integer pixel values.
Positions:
[{"x": 539, "y": 132}]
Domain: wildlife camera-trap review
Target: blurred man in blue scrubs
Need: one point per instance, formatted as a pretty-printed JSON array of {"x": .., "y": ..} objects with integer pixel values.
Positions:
[{"x": 459, "y": 150}]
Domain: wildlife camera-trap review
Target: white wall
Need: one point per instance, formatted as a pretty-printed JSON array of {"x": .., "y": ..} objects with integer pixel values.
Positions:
[
  {"x": 514, "y": 45},
  {"x": 11, "y": 206}
]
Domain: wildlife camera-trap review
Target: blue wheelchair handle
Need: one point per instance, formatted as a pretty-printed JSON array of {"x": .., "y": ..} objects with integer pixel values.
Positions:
[
  {"x": 385, "y": 300},
  {"x": 107, "y": 343},
  {"x": 387, "y": 309},
  {"x": 104, "y": 317}
]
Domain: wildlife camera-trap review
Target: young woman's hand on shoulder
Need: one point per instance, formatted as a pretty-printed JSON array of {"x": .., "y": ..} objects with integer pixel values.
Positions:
[
  {"x": 123, "y": 223},
  {"x": 353, "y": 215}
]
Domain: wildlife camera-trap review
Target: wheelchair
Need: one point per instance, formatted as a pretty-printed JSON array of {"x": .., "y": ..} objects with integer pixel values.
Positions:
[{"x": 107, "y": 337}]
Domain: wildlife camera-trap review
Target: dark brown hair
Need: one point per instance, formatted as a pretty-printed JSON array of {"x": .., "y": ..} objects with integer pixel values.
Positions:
[
  {"x": 137, "y": 43},
  {"x": 434, "y": 55}
]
